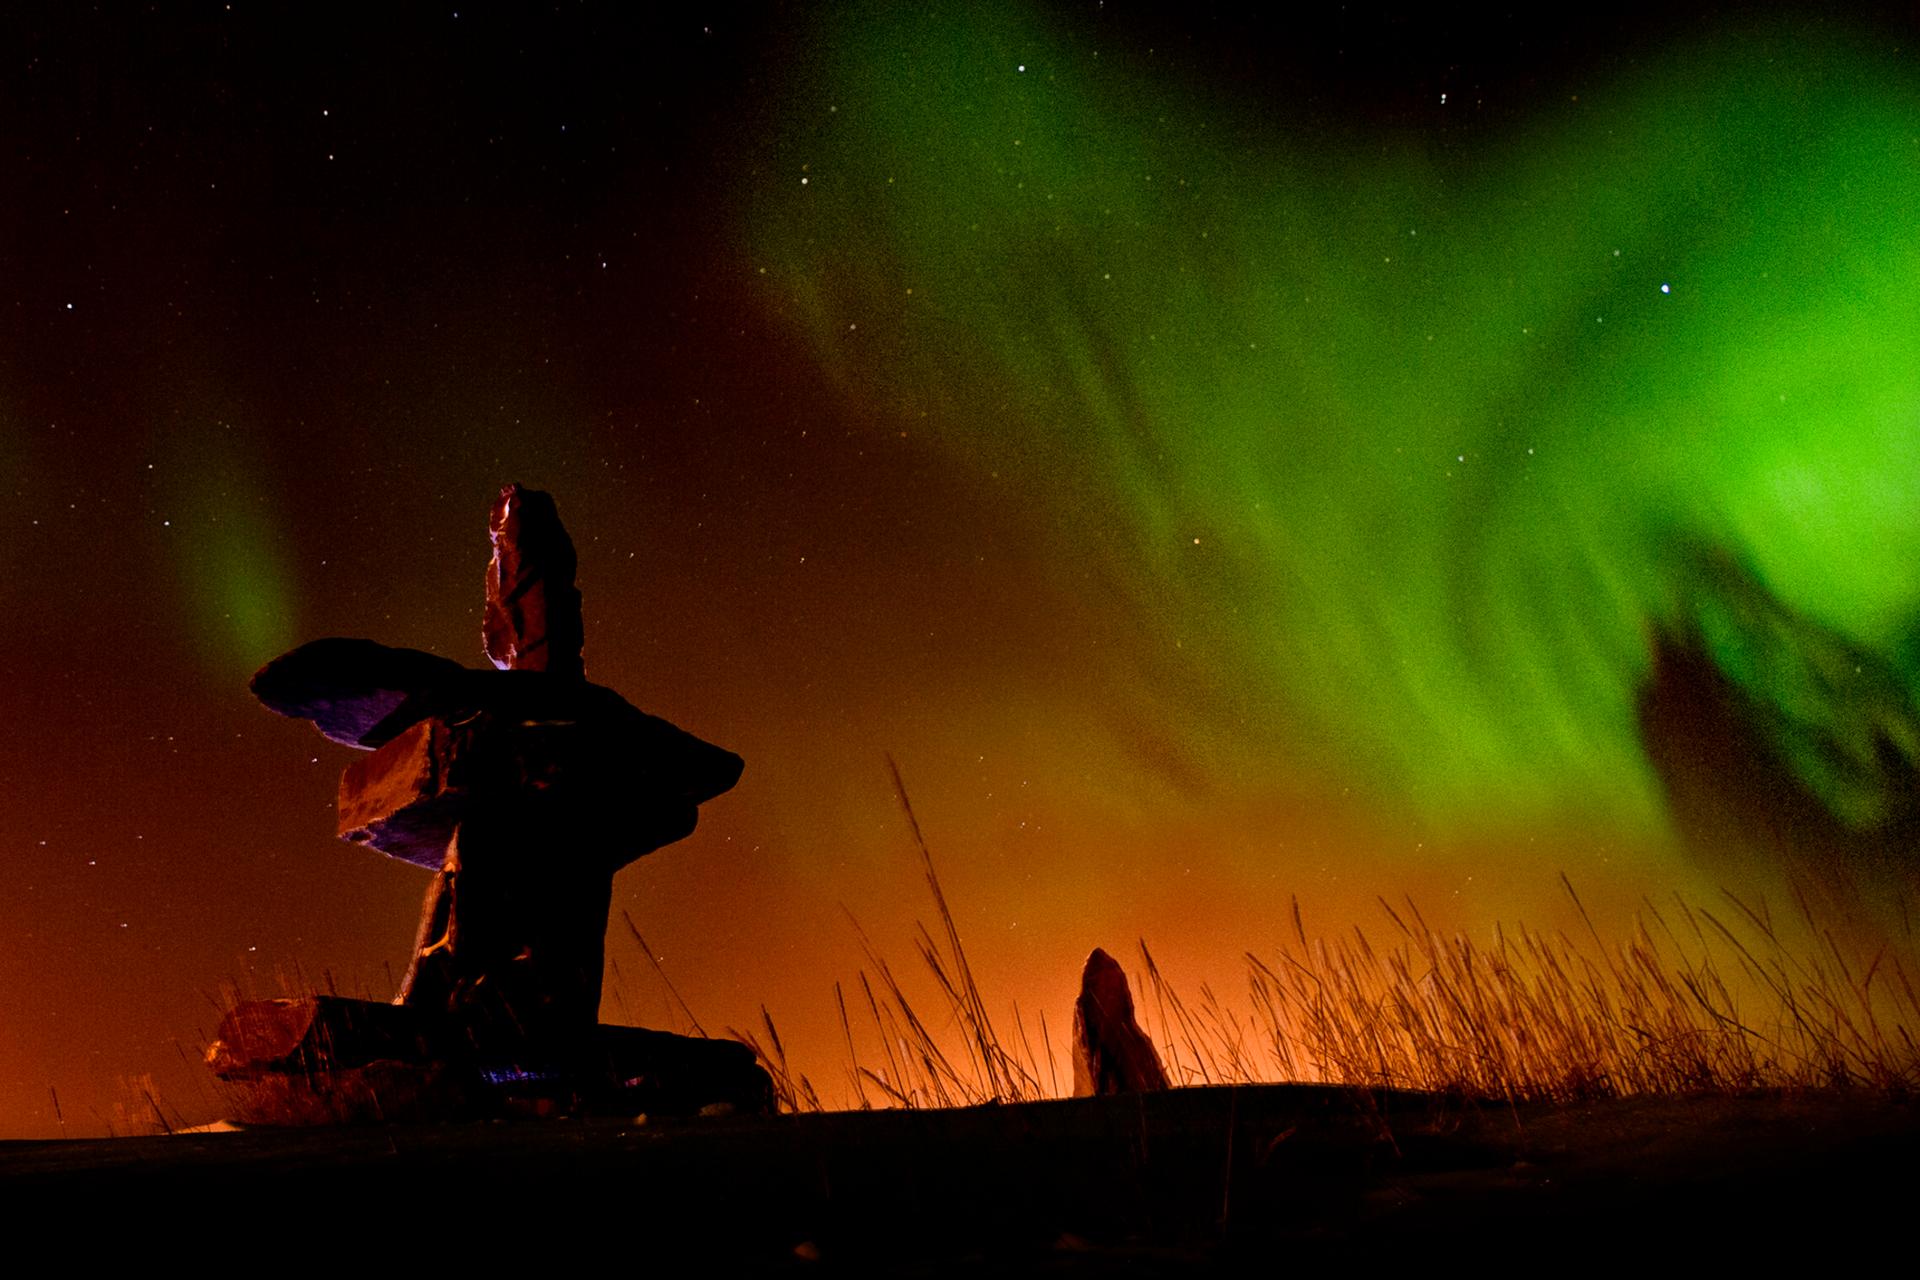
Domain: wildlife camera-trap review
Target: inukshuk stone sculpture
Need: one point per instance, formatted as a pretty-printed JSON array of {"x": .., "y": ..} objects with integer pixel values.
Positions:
[{"x": 523, "y": 789}]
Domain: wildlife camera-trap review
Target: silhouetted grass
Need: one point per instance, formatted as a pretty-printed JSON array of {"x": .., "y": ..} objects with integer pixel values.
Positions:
[
  {"x": 1693, "y": 998},
  {"x": 1698, "y": 1001}
]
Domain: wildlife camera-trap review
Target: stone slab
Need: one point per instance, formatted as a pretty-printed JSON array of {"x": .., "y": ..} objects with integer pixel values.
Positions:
[
  {"x": 404, "y": 799},
  {"x": 609, "y": 792},
  {"x": 356, "y": 692},
  {"x": 324, "y": 1059},
  {"x": 365, "y": 695},
  {"x": 313, "y": 1033}
]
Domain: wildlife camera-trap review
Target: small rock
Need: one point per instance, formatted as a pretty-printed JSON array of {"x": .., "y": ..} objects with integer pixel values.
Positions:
[{"x": 1111, "y": 1054}]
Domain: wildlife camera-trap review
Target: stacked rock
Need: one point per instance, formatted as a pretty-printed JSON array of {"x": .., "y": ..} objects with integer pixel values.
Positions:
[{"x": 523, "y": 789}]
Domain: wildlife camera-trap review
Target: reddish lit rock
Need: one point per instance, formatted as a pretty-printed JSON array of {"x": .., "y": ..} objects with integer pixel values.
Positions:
[
  {"x": 403, "y": 799},
  {"x": 532, "y": 620},
  {"x": 1111, "y": 1054},
  {"x": 312, "y": 1033}
]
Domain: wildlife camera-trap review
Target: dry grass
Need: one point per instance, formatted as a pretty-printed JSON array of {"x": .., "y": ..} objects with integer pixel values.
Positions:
[
  {"x": 916, "y": 1069},
  {"x": 1693, "y": 999}
]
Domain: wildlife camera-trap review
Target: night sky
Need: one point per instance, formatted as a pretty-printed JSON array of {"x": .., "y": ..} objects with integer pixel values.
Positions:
[{"x": 1219, "y": 458}]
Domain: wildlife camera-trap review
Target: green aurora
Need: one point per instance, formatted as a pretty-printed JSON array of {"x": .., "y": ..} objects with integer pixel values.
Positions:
[
  {"x": 227, "y": 549},
  {"x": 1400, "y": 449}
]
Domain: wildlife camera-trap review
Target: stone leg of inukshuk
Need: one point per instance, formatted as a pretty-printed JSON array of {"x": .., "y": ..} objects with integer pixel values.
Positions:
[
  {"x": 514, "y": 952},
  {"x": 524, "y": 790},
  {"x": 512, "y": 933}
]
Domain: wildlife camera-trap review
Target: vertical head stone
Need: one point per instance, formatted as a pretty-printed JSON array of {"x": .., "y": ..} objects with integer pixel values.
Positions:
[{"x": 532, "y": 620}]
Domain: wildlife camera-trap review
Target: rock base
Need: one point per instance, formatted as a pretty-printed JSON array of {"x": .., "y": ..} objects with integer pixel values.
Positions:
[{"x": 327, "y": 1060}]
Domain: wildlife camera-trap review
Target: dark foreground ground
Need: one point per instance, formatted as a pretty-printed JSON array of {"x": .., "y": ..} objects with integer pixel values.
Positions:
[{"x": 1247, "y": 1179}]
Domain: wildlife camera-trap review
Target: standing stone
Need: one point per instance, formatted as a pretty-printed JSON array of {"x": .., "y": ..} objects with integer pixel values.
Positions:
[{"x": 1111, "y": 1054}]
